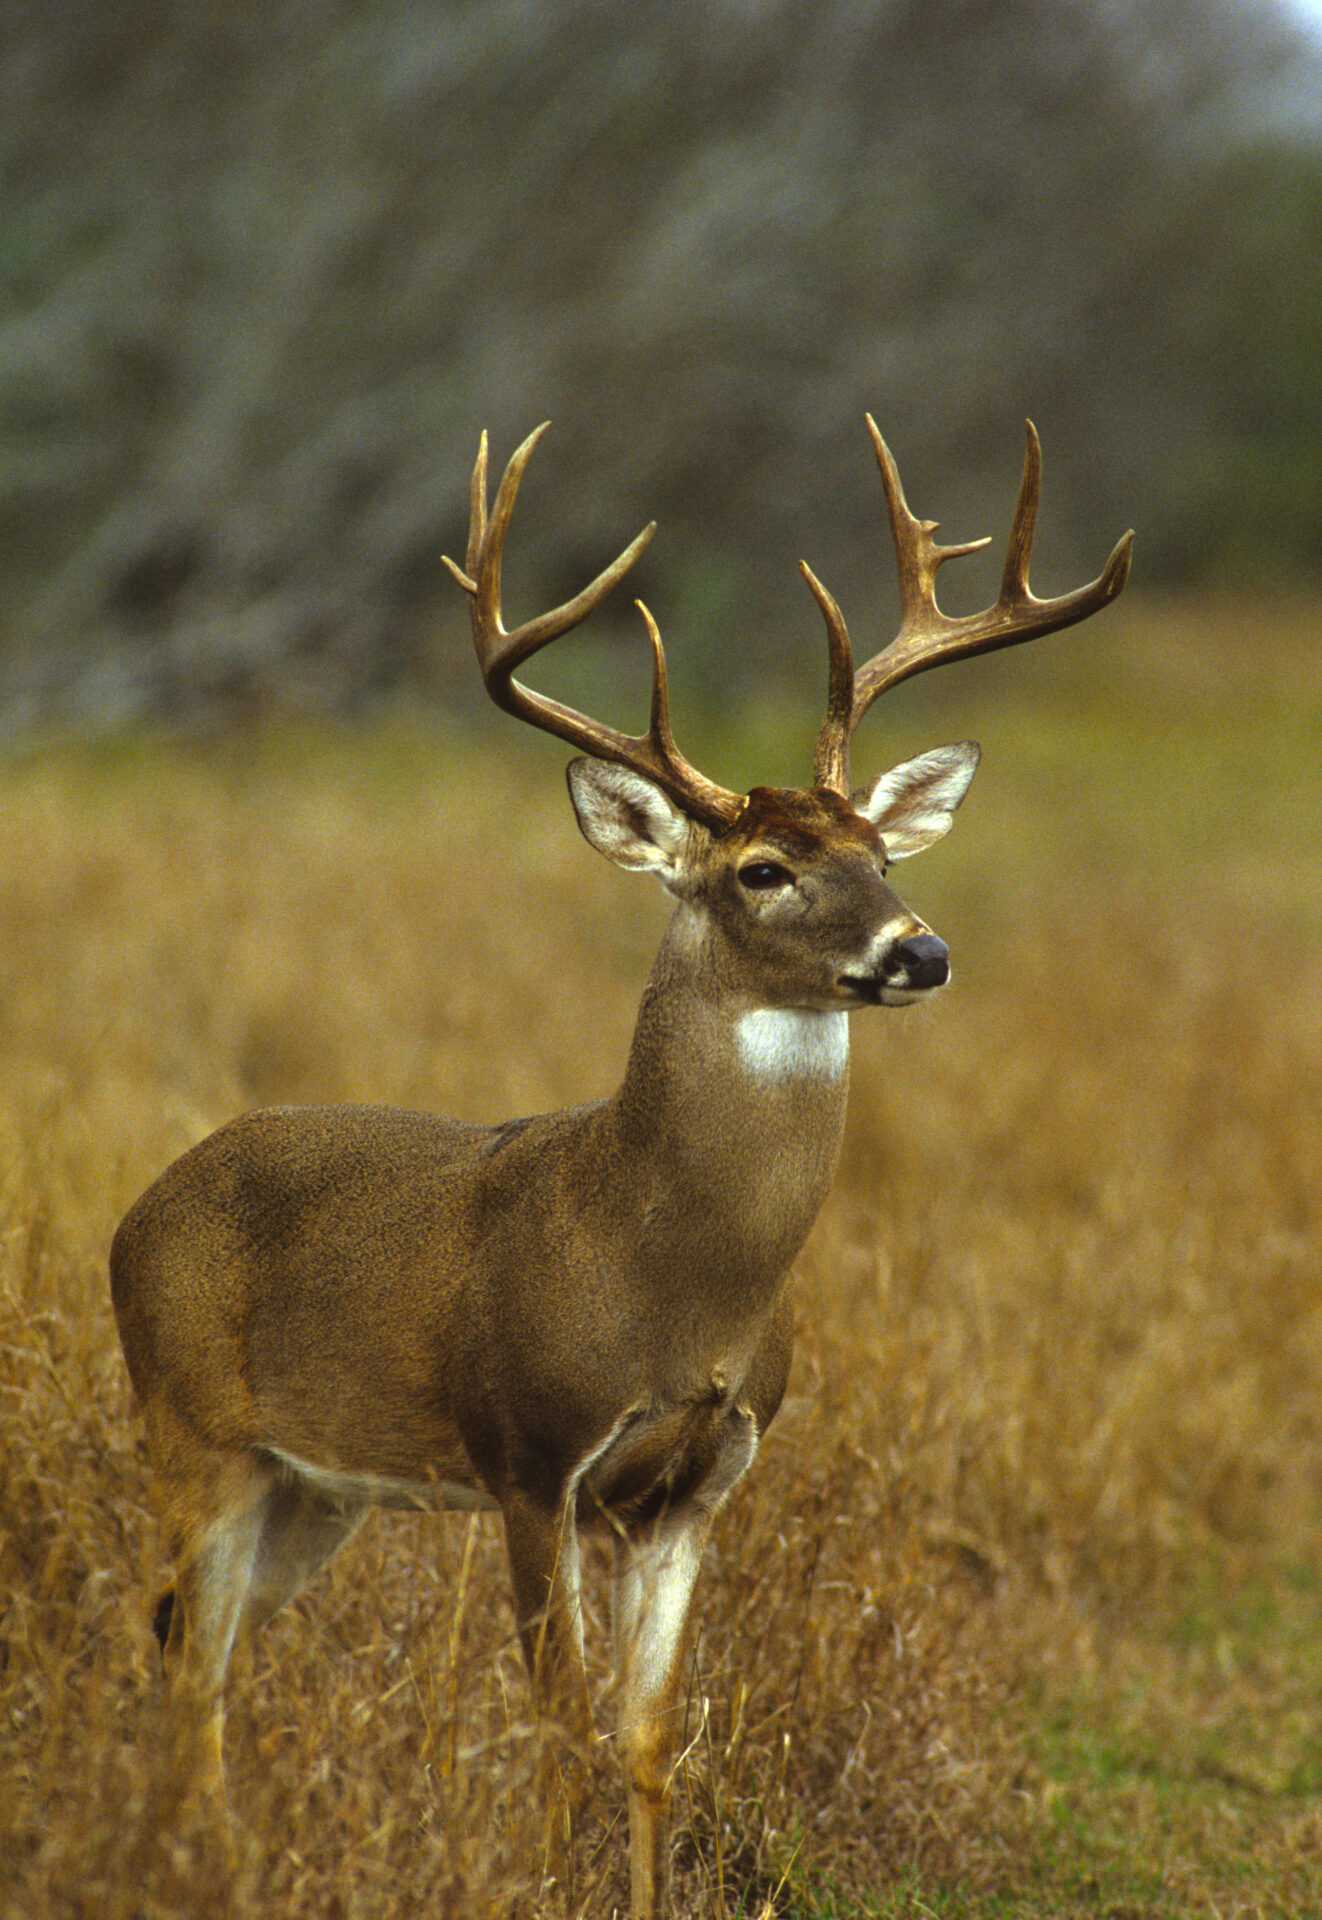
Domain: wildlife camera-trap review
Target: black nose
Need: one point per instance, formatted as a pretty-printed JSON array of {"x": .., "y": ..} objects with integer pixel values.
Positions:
[{"x": 925, "y": 959}]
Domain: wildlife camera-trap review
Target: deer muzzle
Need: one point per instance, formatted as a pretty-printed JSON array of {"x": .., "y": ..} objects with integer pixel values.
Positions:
[{"x": 913, "y": 965}]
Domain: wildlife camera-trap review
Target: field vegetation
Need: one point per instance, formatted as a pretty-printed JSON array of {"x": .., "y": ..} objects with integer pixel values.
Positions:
[{"x": 1019, "y": 1612}]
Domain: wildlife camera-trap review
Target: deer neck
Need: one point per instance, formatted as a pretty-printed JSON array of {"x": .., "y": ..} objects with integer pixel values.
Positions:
[{"x": 731, "y": 1112}]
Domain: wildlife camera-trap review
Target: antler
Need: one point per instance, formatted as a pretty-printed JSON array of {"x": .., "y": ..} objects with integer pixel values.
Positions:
[
  {"x": 928, "y": 637},
  {"x": 653, "y": 754}
]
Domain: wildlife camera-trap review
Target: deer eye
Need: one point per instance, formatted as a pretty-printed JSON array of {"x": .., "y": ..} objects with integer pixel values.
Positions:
[{"x": 762, "y": 874}]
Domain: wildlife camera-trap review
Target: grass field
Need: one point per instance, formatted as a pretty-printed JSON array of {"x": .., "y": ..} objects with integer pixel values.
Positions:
[{"x": 1020, "y": 1611}]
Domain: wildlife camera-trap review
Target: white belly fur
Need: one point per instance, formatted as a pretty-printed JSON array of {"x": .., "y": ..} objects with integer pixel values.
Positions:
[{"x": 377, "y": 1490}]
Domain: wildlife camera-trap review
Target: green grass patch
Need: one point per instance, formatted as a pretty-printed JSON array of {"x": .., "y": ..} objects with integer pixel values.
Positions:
[{"x": 1186, "y": 1778}]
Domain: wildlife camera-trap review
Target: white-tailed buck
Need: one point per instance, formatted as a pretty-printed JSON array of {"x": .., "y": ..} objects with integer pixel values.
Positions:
[{"x": 578, "y": 1318}]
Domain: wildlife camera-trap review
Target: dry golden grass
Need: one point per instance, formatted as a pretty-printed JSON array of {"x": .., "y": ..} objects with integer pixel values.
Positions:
[{"x": 1014, "y": 1614}]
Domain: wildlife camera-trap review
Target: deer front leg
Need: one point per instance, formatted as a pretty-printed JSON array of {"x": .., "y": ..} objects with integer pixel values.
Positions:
[
  {"x": 655, "y": 1574},
  {"x": 544, "y": 1563}
]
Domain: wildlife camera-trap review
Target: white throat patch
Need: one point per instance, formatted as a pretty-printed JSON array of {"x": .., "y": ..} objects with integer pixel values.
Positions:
[{"x": 781, "y": 1043}]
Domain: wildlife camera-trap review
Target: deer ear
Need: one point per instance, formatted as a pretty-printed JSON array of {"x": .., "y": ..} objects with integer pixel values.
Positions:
[
  {"x": 914, "y": 805},
  {"x": 627, "y": 818}
]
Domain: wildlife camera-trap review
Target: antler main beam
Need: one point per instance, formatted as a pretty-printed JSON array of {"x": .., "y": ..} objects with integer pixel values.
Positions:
[
  {"x": 653, "y": 754},
  {"x": 927, "y": 637}
]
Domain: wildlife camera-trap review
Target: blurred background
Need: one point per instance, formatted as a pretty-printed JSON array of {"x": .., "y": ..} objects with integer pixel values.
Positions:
[{"x": 265, "y": 273}]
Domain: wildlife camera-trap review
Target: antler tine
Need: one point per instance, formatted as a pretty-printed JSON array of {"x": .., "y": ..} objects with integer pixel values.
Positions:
[
  {"x": 830, "y": 765},
  {"x": 653, "y": 754},
  {"x": 659, "y": 730},
  {"x": 928, "y": 637},
  {"x": 477, "y": 507},
  {"x": 1019, "y": 547},
  {"x": 917, "y": 554}
]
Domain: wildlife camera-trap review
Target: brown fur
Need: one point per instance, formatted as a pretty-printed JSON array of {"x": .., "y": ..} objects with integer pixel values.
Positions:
[{"x": 577, "y": 1317}]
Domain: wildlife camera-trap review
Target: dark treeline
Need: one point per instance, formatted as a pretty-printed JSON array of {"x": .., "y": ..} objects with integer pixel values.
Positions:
[{"x": 265, "y": 272}]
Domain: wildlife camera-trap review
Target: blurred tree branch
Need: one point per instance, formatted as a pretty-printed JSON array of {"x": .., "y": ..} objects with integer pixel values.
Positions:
[{"x": 265, "y": 273}]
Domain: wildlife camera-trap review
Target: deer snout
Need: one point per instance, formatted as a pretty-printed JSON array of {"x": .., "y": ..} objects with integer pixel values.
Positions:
[
  {"x": 923, "y": 960},
  {"x": 903, "y": 970}
]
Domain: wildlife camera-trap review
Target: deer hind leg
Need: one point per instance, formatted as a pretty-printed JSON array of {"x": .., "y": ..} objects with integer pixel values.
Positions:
[
  {"x": 217, "y": 1531},
  {"x": 247, "y": 1534},
  {"x": 655, "y": 1574}
]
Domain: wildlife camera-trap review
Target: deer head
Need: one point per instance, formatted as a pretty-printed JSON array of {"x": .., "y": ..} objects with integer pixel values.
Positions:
[{"x": 640, "y": 802}]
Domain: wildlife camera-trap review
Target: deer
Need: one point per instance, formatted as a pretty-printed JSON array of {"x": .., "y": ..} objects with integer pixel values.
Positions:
[{"x": 579, "y": 1319}]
